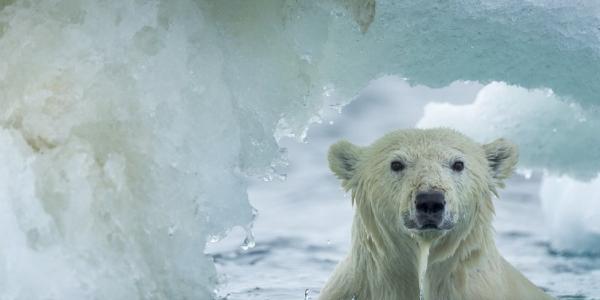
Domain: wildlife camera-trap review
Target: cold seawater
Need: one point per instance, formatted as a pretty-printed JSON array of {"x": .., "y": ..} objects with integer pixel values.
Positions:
[{"x": 304, "y": 222}]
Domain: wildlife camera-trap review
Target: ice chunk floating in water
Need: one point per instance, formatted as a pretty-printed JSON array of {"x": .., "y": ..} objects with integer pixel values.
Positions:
[
  {"x": 128, "y": 127},
  {"x": 573, "y": 213}
]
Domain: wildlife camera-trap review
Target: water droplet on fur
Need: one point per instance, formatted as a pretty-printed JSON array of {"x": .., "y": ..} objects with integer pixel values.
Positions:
[{"x": 306, "y": 293}]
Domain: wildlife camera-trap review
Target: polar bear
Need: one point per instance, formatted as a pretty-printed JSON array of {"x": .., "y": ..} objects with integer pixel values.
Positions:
[{"x": 423, "y": 220}]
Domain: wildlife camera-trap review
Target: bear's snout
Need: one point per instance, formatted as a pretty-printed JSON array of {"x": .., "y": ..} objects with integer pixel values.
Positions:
[{"x": 430, "y": 208}]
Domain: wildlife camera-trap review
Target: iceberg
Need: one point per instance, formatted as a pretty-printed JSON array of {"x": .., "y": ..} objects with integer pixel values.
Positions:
[
  {"x": 572, "y": 210},
  {"x": 128, "y": 129},
  {"x": 127, "y": 132}
]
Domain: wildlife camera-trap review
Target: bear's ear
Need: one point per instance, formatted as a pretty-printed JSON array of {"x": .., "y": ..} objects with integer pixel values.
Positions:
[
  {"x": 502, "y": 157},
  {"x": 343, "y": 159}
]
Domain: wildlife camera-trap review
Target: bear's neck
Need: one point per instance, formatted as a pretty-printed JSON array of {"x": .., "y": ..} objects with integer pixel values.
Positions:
[
  {"x": 397, "y": 263},
  {"x": 455, "y": 260},
  {"x": 386, "y": 267}
]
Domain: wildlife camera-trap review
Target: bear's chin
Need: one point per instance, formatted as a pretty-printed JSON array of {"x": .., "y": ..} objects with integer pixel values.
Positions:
[
  {"x": 412, "y": 225},
  {"x": 428, "y": 234},
  {"x": 427, "y": 231}
]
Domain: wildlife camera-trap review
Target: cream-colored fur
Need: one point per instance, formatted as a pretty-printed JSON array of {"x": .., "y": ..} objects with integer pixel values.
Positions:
[{"x": 390, "y": 260}]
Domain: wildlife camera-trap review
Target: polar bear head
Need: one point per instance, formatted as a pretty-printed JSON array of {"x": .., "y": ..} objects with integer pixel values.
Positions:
[{"x": 425, "y": 182}]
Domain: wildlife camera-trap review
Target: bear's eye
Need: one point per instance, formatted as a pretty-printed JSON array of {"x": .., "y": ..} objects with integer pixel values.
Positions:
[
  {"x": 458, "y": 166},
  {"x": 397, "y": 166}
]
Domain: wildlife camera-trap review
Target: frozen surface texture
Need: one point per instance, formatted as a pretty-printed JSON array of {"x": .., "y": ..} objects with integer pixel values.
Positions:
[
  {"x": 128, "y": 127},
  {"x": 118, "y": 135}
]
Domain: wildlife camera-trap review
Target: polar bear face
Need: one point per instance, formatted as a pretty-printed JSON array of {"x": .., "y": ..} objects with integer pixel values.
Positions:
[{"x": 423, "y": 182}]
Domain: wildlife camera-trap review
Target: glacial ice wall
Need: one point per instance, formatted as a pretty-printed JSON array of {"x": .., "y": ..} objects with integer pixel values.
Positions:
[
  {"x": 128, "y": 127},
  {"x": 118, "y": 132},
  {"x": 127, "y": 130}
]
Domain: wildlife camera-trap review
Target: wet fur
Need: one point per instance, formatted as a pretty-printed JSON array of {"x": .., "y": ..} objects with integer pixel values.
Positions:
[{"x": 389, "y": 261}]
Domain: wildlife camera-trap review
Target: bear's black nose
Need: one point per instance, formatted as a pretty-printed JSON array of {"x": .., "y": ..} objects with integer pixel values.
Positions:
[
  {"x": 430, "y": 202},
  {"x": 430, "y": 209}
]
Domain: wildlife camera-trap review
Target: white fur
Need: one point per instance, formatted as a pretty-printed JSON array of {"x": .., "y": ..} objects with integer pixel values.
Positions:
[{"x": 390, "y": 261}]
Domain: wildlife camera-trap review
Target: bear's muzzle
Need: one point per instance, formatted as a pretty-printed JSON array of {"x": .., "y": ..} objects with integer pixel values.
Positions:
[{"x": 430, "y": 207}]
